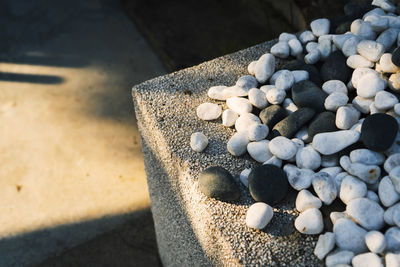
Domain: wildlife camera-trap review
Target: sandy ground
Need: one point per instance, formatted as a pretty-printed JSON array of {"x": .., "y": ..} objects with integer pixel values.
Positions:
[{"x": 70, "y": 153}]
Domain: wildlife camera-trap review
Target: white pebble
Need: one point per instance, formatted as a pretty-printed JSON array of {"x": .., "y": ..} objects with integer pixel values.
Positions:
[
  {"x": 325, "y": 244},
  {"x": 373, "y": 109},
  {"x": 243, "y": 177},
  {"x": 300, "y": 75},
  {"x": 385, "y": 100},
  {"x": 339, "y": 257},
  {"x": 320, "y": 27},
  {"x": 335, "y": 216},
  {"x": 339, "y": 40},
  {"x": 357, "y": 61},
  {"x": 306, "y": 36},
  {"x": 219, "y": 92},
  {"x": 368, "y": 173},
  {"x": 332, "y": 171},
  {"x": 251, "y": 67},
  {"x": 286, "y": 37},
  {"x": 275, "y": 76},
  {"x": 259, "y": 151},
  {"x": 359, "y": 73},
  {"x": 376, "y": 11},
  {"x": 274, "y": 161},
  {"x": 388, "y": 215},
  {"x": 308, "y": 158},
  {"x": 385, "y": 5},
  {"x": 392, "y": 237},
  {"x": 346, "y": 116},
  {"x": 237, "y": 144},
  {"x": 266, "y": 88},
  {"x": 306, "y": 200},
  {"x": 349, "y": 236},
  {"x": 324, "y": 187},
  {"x": 366, "y": 156},
  {"x": 378, "y": 23},
  {"x": 257, "y": 98},
  {"x": 309, "y": 222},
  {"x": 265, "y": 67},
  {"x": 312, "y": 57},
  {"x": 295, "y": 47},
  {"x": 375, "y": 241},
  {"x": 371, "y": 50},
  {"x": 198, "y": 141},
  {"x": 229, "y": 117},
  {"x": 239, "y": 105},
  {"x": 236, "y": 91},
  {"x": 302, "y": 134},
  {"x": 324, "y": 47},
  {"x": 289, "y": 106},
  {"x": 352, "y": 188},
  {"x": 366, "y": 213},
  {"x": 259, "y": 215},
  {"x": 283, "y": 147},
  {"x": 208, "y": 111},
  {"x": 392, "y": 259},
  {"x": 369, "y": 85},
  {"x": 334, "y": 86},
  {"x": 243, "y": 123},
  {"x": 285, "y": 80},
  {"x": 387, "y": 38},
  {"x": 311, "y": 46},
  {"x": 391, "y": 162},
  {"x": 280, "y": 49},
  {"x": 372, "y": 196},
  {"x": 247, "y": 82},
  {"x": 387, "y": 65},
  {"x": 257, "y": 132},
  {"x": 350, "y": 46},
  {"x": 275, "y": 96},
  {"x": 367, "y": 260},
  {"x": 298, "y": 178},
  {"x": 394, "y": 82},
  {"x": 363, "y": 29},
  {"x": 332, "y": 142},
  {"x": 362, "y": 104}
]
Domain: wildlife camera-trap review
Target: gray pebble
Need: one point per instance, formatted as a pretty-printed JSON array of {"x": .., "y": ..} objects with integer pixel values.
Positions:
[{"x": 387, "y": 38}]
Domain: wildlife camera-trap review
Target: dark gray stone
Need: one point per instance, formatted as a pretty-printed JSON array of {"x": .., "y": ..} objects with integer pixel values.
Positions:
[
  {"x": 323, "y": 122},
  {"x": 335, "y": 68},
  {"x": 307, "y": 94},
  {"x": 272, "y": 115},
  {"x": 289, "y": 126},
  {"x": 218, "y": 183},
  {"x": 396, "y": 57}
]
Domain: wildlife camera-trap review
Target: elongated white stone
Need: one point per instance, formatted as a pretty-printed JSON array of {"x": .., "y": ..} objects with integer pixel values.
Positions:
[
  {"x": 332, "y": 142},
  {"x": 208, "y": 111}
]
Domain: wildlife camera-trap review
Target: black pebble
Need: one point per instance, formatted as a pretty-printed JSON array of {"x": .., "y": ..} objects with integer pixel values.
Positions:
[
  {"x": 268, "y": 183},
  {"x": 301, "y": 65},
  {"x": 218, "y": 183},
  {"x": 272, "y": 115},
  {"x": 323, "y": 122},
  {"x": 289, "y": 126},
  {"x": 378, "y": 131},
  {"x": 307, "y": 94},
  {"x": 396, "y": 57},
  {"x": 335, "y": 68}
]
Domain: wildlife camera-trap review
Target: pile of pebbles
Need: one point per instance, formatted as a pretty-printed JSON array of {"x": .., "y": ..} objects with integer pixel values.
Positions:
[{"x": 326, "y": 124}]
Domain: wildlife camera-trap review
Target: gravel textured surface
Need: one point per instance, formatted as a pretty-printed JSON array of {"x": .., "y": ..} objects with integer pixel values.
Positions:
[{"x": 191, "y": 228}]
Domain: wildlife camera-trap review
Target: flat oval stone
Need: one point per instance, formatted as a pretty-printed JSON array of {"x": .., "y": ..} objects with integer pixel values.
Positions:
[
  {"x": 367, "y": 259},
  {"x": 257, "y": 98},
  {"x": 218, "y": 183},
  {"x": 392, "y": 162},
  {"x": 334, "y": 86},
  {"x": 335, "y": 68},
  {"x": 307, "y": 94},
  {"x": 330, "y": 143},
  {"x": 239, "y": 105},
  {"x": 208, "y": 111},
  {"x": 339, "y": 257},
  {"x": 349, "y": 236},
  {"x": 282, "y": 147},
  {"x": 366, "y": 213},
  {"x": 259, "y": 215},
  {"x": 243, "y": 123},
  {"x": 289, "y": 126},
  {"x": 272, "y": 115},
  {"x": 257, "y": 132},
  {"x": 308, "y": 158},
  {"x": 259, "y": 150},
  {"x": 378, "y": 131},
  {"x": 366, "y": 156},
  {"x": 268, "y": 184},
  {"x": 322, "y": 123}
]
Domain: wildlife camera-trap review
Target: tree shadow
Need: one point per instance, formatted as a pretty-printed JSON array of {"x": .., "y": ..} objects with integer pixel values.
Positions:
[{"x": 30, "y": 78}]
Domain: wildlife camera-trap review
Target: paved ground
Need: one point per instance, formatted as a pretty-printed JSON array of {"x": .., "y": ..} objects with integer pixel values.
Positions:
[{"x": 69, "y": 148}]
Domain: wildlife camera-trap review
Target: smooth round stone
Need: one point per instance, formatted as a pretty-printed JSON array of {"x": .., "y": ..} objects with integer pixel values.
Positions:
[
  {"x": 265, "y": 67},
  {"x": 371, "y": 50},
  {"x": 366, "y": 213},
  {"x": 229, "y": 117},
  {"x": 244, "y": 177},
  {"x": 208, "y": 111},
  {"x": 301, "y": 65},
  {"x": 295, "y": 47},
  {"x": 367, "y": 259},
  {"x": 334, "y": 86},
  {"x": 346, "y": 117},
  {"x": 362, "y": 104},
  {"x": 286, "y": 37},
  {"x": 375, "y": 241},
  {"x": 275, "y": 96},
  {"x": 237, "y": 145},
  {"x": 280, "y": 49},
  {"x": 378, "y": 131},
  {"x": 218, "y": 183},
  {"x": 198, "y": 141},
  {"x": 268, "y": 184},
  {"x": 391, "y": 162},
  {"x": 309, "y": 222},
  {"x": 257, "y": 98},
  {"x": 259, "y": 150},
  {"x": 307, "y": 94},
  {"x": 275, "y": 76},
  {"x": 357, "y": 61},
  {"x": 251, "y": 67},
  {"x": 290, "y": 125},
  {"x": 300, "y": 75},
  {"x": 369, "y": 85},
  {"x": 311, "y": 46},
  {"x": 324, "y": 187},
  {"x": 308, "y": 158},
  {"x": 335, "y": 100},
  {"x": 325, "y": 244},
  {"x": 306, "y": 36},
  {"x": 306, "y": 200},
  {"x": 298, "y": 178},
  {"x": 352, "y": 188},
  {"x": 257, "y": 132},
  {"x": 367, "y": 173},
  {"x": 272, "y": 115},
  {"x": 320, "y": 27},
  {"x": 392, "y": 237},
  {"x": 218, "y": 92},
  {"x": 243, "y": 123},
  {"x": 289, "y": 106},
  {"x": 392, "y": 259},
  {"x": 285, "y": 80},
  {"x": 349, "y": 236},
  {"x": 359, "y": 73},
  {"x": 323, "y": 122},
  {"x": 387, "y": 38},
  {"x": 335, "y": 68},
  {"x": 259, "y": 215},
  {"x": 366, "y": 156},
  {"x": 283, "y": 147},
  {"x": 349, "y": 47},
  {"x": 239, "y": 105},
  {"x": 394, "y": 82},
  {"x": 386, "y": 64},
  {"x": 332, "y": 142},
  {"x": 339, "y": 257},
  {"x": 357, "y": 126},
  {"x": 396, "y": 57},
  {"x": 385, "y": 100},
  {"x": 247, "y": 82}
]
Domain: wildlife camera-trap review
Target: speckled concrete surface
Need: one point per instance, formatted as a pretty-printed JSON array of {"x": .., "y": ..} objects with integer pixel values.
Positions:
[{"x": 193, "y": 230}]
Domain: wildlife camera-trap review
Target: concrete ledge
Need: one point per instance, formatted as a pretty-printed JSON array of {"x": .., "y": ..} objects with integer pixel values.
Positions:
[{"x": 191, "y": 229}]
